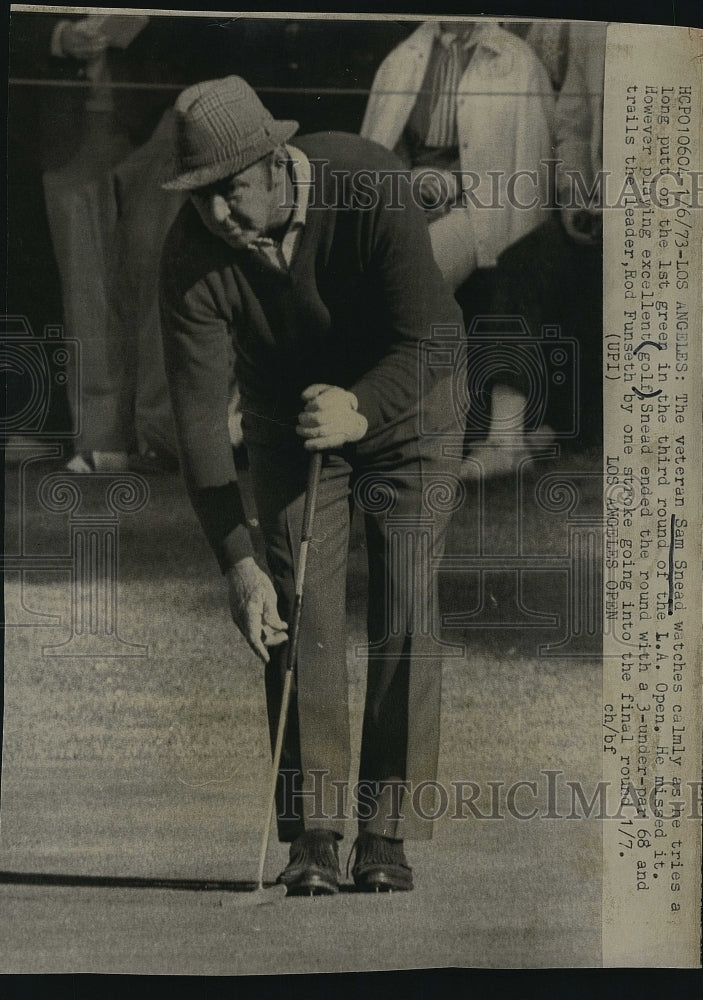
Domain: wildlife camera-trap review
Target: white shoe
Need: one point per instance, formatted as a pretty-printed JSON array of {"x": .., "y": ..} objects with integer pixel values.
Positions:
[{"x": 97, "y": 461}]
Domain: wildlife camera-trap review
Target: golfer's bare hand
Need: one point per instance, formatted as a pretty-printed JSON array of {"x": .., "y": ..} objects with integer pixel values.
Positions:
[
  {"x": 330, "y": 418},
  {"x": 79, "y": 40},
  {"x": 253, "y": 604}
]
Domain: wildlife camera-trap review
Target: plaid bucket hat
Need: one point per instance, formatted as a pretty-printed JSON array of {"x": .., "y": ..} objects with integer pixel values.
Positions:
[{"x": 221, "y": 128}]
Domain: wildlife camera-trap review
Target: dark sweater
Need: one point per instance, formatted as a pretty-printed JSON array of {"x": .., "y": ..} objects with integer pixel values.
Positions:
[{"x": 362, "y": 292}]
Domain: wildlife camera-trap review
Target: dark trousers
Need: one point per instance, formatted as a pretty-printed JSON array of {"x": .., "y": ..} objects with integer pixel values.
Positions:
[{"x": 400, "y": 740}]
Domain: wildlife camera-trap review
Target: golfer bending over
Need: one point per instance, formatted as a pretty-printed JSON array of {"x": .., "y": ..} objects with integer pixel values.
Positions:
[{"x": 288, "y": 271}]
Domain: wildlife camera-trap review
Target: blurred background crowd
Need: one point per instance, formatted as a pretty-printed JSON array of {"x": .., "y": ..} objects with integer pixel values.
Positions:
[{"x": 89, "y": 132}]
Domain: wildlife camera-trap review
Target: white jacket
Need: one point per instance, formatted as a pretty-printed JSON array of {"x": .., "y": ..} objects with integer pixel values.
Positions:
[
  {"x": 578, "y": 124},
  {"x": 505, "y": 109}
]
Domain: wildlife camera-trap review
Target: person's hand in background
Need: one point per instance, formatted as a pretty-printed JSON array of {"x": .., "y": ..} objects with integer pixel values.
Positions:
[{"x": 81, "y": 39}]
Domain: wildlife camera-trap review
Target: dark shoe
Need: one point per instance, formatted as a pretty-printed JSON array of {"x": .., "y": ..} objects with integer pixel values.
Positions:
[
  {"x": 313, "y": 869},
  {"x": 380, "y": 865}
]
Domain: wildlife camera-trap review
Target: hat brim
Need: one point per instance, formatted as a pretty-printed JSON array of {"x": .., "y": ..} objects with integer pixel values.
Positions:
[{"x": 176, "y": 179}]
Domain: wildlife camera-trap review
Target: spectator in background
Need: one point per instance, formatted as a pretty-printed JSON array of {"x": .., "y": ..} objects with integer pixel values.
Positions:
[
  {"x": 579, "y": 143},
  {"x": 555, "y": 273},
  {"x": 550, "y": 42},
  {"x": 123, "y": 403},
  {"x": 578, "y": 128},
  {"x": 459, "y": 97},
  {"x": 43, "y": 123}
]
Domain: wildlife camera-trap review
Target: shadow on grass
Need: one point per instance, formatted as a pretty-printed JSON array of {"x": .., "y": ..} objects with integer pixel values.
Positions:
[{"x": 129, "y": 882}]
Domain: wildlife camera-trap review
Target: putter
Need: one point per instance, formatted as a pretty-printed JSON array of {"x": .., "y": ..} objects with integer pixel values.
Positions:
[{"x": 291, "y": 658}]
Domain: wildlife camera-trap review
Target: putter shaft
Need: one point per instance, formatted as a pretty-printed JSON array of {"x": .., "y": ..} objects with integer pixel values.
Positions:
[{"x": 292, "y": 651}]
